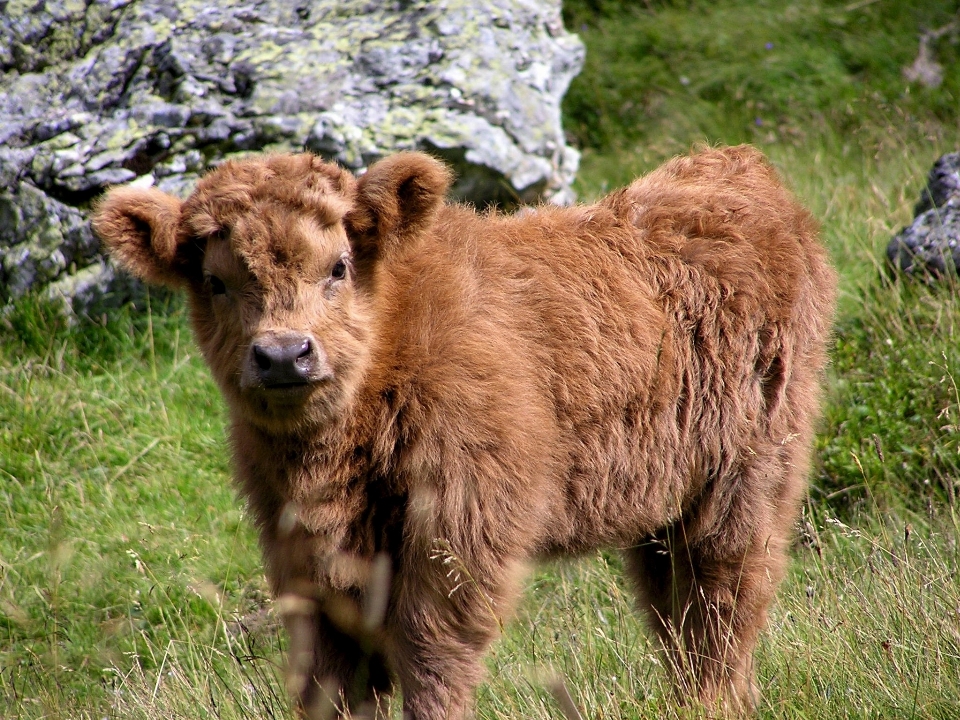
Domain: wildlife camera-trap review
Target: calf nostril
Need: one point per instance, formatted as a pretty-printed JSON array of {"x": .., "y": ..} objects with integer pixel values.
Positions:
[
  {"x": 305, "y": 349},
  {"x": 261, "y": 358}
]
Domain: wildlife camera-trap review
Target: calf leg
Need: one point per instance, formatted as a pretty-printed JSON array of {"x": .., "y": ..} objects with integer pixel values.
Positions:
[
  {"x": 439, "y": 672},
  {"x": 333, "y": 672},
  {"x": 707, "y": 601},
  {"x": 441, "y": 627}
]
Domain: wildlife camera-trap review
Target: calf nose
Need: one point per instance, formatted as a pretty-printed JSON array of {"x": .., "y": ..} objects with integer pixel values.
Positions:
[{"x": 284, "y": 360}]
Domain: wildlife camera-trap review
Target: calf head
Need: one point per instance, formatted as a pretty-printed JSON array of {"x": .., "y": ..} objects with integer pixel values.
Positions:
[{"x": 280, "y": 257}]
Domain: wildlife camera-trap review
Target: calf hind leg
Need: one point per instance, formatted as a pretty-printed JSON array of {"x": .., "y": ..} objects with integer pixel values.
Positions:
[{"x": 708, "y": 604}]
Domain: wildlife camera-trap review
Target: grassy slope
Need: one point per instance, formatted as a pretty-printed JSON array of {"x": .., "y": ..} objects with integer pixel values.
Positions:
[
  {"x": 120, "y": 528},
  {"x": 818, "y": 86},
  {"x": 125, "y": 560}
]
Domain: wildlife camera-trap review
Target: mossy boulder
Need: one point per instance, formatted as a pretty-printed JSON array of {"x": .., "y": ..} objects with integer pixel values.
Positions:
[{"x": 157, "y": 91}]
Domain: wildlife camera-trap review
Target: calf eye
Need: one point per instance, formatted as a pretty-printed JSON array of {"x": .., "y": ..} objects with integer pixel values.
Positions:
[
  {"x": 216, "y": 285},
  {"x": 339, "y": 271}
]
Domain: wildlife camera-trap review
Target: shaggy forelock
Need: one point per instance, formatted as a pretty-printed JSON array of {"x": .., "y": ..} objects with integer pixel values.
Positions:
[{"x": 284, "y": 183}]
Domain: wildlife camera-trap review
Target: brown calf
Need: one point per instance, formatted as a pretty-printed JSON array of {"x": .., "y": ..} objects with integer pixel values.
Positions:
[{"x": 414, "y": 386}]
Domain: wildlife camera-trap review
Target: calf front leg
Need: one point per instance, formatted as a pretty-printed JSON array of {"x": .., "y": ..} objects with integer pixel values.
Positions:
[
  {"x": 442, "y": 624},
  {"x": 438, "y": 673},
  {"x": 333, "y": 670}
]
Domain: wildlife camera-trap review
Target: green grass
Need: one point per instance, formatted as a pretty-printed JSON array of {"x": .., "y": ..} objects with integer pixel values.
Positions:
[
  {"x": 662, "y": 73},
  {"x": 121, "y": 534},
  {"x": 130, "y": 581},
  {"x": 867, "y": 626}
]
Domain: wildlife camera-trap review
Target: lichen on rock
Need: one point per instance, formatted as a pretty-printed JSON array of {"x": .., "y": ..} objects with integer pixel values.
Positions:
[{"x": 94, "y": 94}]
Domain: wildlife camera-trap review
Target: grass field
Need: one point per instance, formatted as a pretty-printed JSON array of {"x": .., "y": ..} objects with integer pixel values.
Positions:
[{"x": 130, "y": 580}]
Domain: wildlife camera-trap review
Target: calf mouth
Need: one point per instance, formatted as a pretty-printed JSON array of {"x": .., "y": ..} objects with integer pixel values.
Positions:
[
  {"x": 282, "y": 402},
  {"x": 291, "y": 389},
  {"x": 290, "y": 407},
  {"x": 287, "y": 391}
]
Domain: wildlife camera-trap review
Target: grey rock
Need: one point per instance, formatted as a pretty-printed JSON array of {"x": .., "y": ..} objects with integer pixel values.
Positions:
[
  {"x": 93, "y": 290},
  {"x": 40, "y": 238},
  {"x": 100, "y": 179},
  {"x": 95, "y": 94},
  {"x": 930, "y": 245},
  {"x": 943, "y": 182}
]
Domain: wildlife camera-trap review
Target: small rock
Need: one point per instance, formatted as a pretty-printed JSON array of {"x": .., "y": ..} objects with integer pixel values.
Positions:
[
  {"x": 930, "y": 245},
  {"x": 943, "y": 182}
]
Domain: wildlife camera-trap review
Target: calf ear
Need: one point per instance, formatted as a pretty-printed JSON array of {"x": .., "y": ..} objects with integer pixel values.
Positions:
[
  {"x": 398, "y": 198},
  {"x": 140, "y": 227}
]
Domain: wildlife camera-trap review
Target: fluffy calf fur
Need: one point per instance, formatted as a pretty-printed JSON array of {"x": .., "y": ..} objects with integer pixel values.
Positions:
[{"x": 459, "y": 394}]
